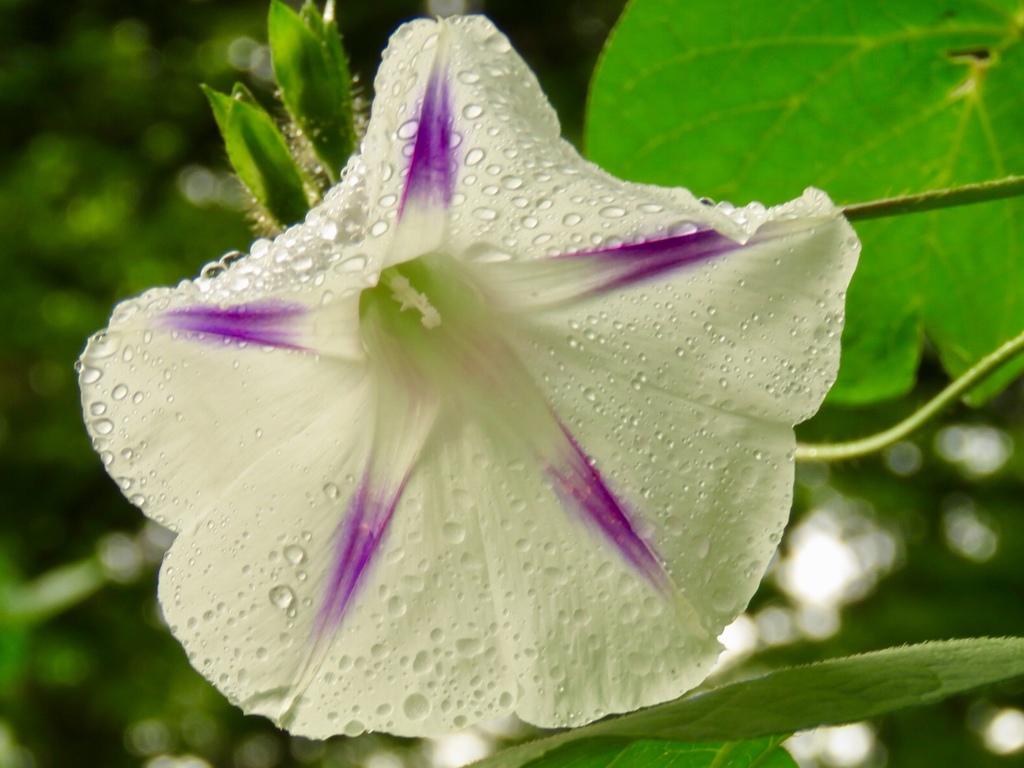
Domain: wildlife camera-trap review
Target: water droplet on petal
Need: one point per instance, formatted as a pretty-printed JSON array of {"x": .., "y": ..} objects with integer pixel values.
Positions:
[
  {"x": 416, "y": 706},
  {"x": 91, "y": 375},
  {"x": 408, "y": 129},
  {"x": 282, "y": 597}
]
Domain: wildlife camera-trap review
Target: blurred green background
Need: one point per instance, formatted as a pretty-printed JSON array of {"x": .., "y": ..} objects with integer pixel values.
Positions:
[{"x": 113, "y": 179}]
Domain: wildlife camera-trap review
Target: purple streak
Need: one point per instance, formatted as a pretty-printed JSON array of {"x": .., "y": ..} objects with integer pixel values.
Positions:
[
  {"x": 359, "y": 537},
  {"x": 268, "y": 323},
  {"x": 580, "y": 486},
  {"x": 624, "y": 265},
  {"x": 431, "y": 177}
]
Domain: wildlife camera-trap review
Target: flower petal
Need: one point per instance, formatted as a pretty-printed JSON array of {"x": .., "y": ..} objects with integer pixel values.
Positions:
[
  {"x": 683, "y": 393},
  {"x": 521, "y": 192},
  {"x": 176, "y": 363},
  {"x": 581, "y": 489},
  {"x": 271, "y": 324},
  {"x": 410, "y": 147},
  {"x": 584, "y": 631},
  {"x": 429, "y": 180},
  {"x": 418, "y": 653}
]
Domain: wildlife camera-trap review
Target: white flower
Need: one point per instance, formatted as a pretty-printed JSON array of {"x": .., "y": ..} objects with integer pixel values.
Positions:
[{"x": 490, "y": 432}]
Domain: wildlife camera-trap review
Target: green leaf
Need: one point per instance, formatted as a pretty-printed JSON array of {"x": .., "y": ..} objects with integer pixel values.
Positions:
[
  {"x": 623, "y": 753},
  {"x": 314, "y": 78},
  {"x": 865, "y": 99},
  {"x": 260, "y": 155},
  {"x": 788, "y": 700}
]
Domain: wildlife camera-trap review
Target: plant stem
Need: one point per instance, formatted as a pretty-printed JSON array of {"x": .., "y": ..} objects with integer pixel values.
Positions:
[
  {"x": 1011, "y": 186},
  {"x": 53, "y": 592},
  {"x": 976, "y": 373}
]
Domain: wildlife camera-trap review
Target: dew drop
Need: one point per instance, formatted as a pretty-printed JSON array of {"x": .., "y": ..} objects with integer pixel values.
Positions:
[
  {"x": 104, "y": 345},
  {"x": 90, "y": 375},
  {"x": 120, "y": 392},
  {"x": 416, "y": 706},
  {"x": 294, "y": 554},
  {"x": 612, "y": 212},
  {"x": 469, "y": 646},
  {"x": 396, "y": 606},
  {"x": 103, "y": 426},
  {"x": 355, "y": 263},
  {"x": 408, "y": 129},
  {"x": 453, "y": 533},
  {"x": 282, "y": 597}
]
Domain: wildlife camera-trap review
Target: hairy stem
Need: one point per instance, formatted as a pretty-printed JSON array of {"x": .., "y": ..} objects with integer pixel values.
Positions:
[
  {"x": 1011, "y": 186},
  {"x": 867, "y": 445}
]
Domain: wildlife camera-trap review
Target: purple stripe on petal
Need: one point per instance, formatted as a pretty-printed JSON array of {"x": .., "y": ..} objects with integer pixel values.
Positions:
[
  {"x": 579, "y": 485},
  {"x": 268, "y": 323},
  {"x": 359, "y": 537},
  {"x": 431, "y": 177},
  {"x": 623, "y": 265}
]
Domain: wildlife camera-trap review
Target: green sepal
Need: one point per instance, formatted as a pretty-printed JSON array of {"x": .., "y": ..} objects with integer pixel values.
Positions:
[
  {"x": 312, "y": 73},
  {"x": 260, "y": 155}
]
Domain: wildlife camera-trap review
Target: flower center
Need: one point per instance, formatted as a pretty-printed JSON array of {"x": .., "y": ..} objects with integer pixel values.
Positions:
[
  {"x": 425, "y": 321},
  {"x": 408, "y": 298}
]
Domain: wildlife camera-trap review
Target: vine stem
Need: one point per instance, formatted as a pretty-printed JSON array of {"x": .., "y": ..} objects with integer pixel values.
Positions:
[
  {"x": 867, "y": 445},
  {"x": 999, "y": 189}
]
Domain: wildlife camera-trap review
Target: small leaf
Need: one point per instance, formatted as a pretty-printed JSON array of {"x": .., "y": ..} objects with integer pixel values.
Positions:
[
  {"x": 796, "y": 698},
  {"x": 259, "y": 154},
  {"x": 624, "y": 753},
  {"x": 313, "y": 75}
]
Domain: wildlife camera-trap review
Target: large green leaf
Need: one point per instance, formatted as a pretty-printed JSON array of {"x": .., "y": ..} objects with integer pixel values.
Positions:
[
  {"x": 865, "y": 99},
  {"x": 313, "y": 74},
  {"x": 623, "y": 753},
  {"x": 793, "y": 699},
  {"x": 260, "y": 155}
]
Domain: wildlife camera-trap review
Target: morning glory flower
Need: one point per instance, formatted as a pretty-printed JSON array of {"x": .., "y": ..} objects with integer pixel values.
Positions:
[{"x": 489, "y": 432}]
